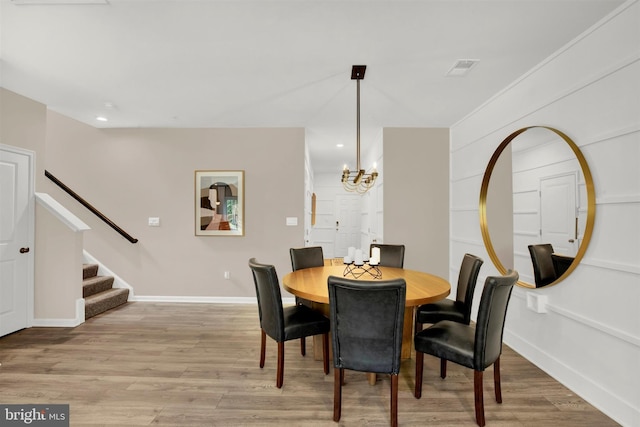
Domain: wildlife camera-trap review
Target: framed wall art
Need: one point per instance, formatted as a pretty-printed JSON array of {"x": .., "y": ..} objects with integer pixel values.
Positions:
[{"x": 219, "y": 203}]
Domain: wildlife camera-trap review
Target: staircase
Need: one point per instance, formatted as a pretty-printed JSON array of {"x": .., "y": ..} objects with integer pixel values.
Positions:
[{"x": 98, "y": 292}]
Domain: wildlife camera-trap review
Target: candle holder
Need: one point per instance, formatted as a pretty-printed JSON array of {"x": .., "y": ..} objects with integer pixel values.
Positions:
[{"x": 357, "y": 270}]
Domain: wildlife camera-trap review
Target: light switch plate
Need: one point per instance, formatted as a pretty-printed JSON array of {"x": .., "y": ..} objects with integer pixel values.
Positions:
[
  {"x": 292, "y": 220},
  {"x": 154, "y": 222}
]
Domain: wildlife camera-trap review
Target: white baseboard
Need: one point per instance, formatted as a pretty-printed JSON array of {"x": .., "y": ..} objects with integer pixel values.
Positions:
[
  {"x": 63, "y": 323},
  {"x": 615, "y": 407},
  {"x": 201, "y": 300}
]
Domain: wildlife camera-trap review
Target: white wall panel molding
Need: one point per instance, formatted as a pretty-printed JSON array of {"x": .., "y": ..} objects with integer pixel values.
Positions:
[
  {"x": 587, "y": 89},
  {"x": 511, "y": 123},
  {"x": 468, "y": 242},
  {"x": 618, "y": 199},
  {"x": 613, "y": 332},
  {"x": 467, "y": 208},
  {"x": 476, "y": 173},
  {"x": 609, "y": 135},
  {"x": 611, "y": 265},
  {"x": 606, "y": 400},
  {"x": 475, "y": 170}
]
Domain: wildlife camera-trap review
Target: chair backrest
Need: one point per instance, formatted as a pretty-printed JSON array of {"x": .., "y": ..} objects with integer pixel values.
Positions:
[
  {"x": 390, "y": 255},
  {"x": 269, "y": 297},
  {"x": 467, "y": 279},
  {"x": 306, "y": 257},
  {"x": 366, "y": 323},
  {"x": 492, "y": 313},
  {"x": 543, "y": 270}
]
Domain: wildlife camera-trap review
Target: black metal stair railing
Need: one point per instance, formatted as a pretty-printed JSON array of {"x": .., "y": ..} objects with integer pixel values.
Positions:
[{"x": 87, "y": 205}]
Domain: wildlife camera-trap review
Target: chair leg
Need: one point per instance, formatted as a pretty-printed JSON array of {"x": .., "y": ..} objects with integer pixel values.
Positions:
[
  {"x": 417, "y": 326},
  {"x": 479, "y": 399},
  {"x": 337, "y": 393},
  {"x": 263, "y": 348},
  {"x": 496, "y": 380},
  {"x": 443, "y": 368},
  {"x": 325, "y": 352},
  {"x": 280, "y": 370},
  {"x": 303, "y": 346},
  {"x": 394, "y": 400},
  {"x": 419, "y": 364}
]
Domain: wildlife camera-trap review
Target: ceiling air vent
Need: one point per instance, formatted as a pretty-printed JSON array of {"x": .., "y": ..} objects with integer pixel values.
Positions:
[{"x": 462, "y": 67}]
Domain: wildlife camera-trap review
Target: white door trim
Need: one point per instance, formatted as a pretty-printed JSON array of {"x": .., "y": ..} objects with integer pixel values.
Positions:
[{"x": 30, "y": 232}]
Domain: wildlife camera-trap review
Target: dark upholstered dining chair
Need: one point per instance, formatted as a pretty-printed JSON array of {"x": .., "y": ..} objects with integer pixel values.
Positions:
[
  {"x": 544, "y": 272},
  {"x": 307, "y": 257},
  {"x": 366, "y": 330},
  {"x": 284, "y": 323},
  {"x": 390, "y": 255},
  {"x": 473, "y": 346},
  {"x": 446, "y": 309}
]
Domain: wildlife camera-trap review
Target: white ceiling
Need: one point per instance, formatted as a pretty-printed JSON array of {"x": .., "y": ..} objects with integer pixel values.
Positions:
[{"x": 268, "y": 63}]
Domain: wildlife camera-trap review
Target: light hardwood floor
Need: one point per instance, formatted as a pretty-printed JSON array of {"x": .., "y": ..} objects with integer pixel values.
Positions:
[{"x": 197, "y": 365}]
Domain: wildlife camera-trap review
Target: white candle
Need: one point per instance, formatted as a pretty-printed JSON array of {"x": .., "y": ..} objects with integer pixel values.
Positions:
[
  {"x": 373, "y": 261},
  {"x": 375, "y": 253},
  {"x": 347, "y": 260},
  {"x": 358, "y": 257}
]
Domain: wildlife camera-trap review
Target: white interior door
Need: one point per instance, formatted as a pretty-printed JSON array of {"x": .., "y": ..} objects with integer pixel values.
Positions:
[
  {"x": 348, "y": 214},
  {"x": 558, "y": 213},
  {"x": 16, "y": 240}
]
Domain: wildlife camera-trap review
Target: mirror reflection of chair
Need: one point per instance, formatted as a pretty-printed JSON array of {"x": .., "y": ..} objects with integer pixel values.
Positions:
[
  {"x": 390, "y": 255},
  {"x": 366, "y": 328},
  {"x": 307, "y": 257},
  {"x": 561, "y": 263},
  {"x": 544, "y": 272},
  {"x": 458, "y": 310},
  {"x": 284, "y": 323},
  {"x": 474, "y": 346}
]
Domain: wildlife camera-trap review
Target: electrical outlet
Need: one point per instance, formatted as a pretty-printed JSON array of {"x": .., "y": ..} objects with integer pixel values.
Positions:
[
  {"x": 227, "y": 275},
  {"x": 536, "y": 302}
]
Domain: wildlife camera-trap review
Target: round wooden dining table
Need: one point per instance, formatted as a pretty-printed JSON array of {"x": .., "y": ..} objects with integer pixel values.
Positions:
[
  {"x": 422, "y": 288},
  {"x": 311, "y": 283}
]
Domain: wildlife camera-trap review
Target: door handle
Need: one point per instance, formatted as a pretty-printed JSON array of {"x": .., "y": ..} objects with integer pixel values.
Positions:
[
  {"x": 337, "y": 225},
  {"x": 571, "y": 240},
  {"x": 24, "y": 250}
]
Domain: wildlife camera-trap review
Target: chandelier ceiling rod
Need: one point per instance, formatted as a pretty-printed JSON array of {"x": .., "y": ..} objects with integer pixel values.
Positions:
[
  {"x": 358, "y": 180},
  {"x": 358, "y": 123}
]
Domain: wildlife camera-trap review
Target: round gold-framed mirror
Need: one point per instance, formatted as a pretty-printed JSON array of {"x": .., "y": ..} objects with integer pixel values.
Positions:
[{"x": 537, "y": 197}]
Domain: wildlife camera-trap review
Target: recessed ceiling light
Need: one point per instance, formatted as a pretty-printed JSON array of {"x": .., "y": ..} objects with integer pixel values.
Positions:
[
  {"x": 339, "y": 145},
  {"x": 102, "y": 119},
  {"x": 462, "y": 67}
]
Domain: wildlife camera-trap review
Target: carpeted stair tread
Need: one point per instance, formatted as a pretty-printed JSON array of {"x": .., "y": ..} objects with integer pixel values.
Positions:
[
  {"x": 96, "y": 284},
  {"x": 105, "y": 300},
  {"x": 98, "y": 292},
  {"x": 89, "y": 270}
]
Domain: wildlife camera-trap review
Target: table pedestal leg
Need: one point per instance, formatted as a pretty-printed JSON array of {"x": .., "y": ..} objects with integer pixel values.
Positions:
[{"x": 372, "y": 377}]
